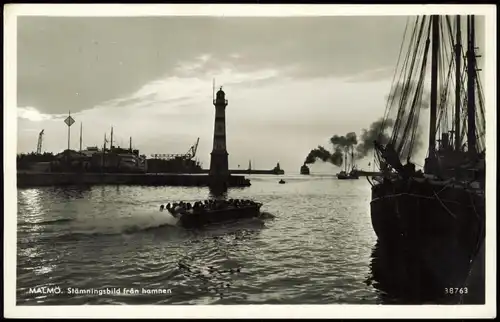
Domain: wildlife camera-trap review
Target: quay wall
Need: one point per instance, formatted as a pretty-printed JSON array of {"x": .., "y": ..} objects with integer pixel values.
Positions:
[
  {"x": 239, "y": 171},
  {"x": 33, "y": 179}
]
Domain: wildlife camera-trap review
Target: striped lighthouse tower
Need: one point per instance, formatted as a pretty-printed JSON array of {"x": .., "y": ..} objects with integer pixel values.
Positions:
[{"x": 219, "y": 167}]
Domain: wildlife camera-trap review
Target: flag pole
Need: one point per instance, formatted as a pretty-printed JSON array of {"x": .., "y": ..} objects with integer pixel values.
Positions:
[
  {"x": 69, "y": 131},
  {"x": 81, "y": 126}
]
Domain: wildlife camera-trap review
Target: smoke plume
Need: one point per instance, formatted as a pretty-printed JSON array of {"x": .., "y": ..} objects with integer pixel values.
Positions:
[
  {"x": 346, "y": 141},
  {"x": 318, "y": 153},
  {"x": 376, "y": 131},
  {"x": 380, "y": 130}
]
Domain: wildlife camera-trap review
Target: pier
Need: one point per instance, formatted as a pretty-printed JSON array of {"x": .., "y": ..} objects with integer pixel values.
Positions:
[{"x": 39, "y": 179}]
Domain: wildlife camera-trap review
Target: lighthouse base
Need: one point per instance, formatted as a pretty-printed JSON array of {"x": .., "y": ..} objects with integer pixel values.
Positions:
[{"x": 219, "y": 166}]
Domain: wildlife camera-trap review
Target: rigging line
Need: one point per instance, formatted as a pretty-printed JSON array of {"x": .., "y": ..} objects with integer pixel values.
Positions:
[
  {"x": 451, "y": 52},
  {"x": 414, "y": 87},
  {"x": 407, "y": 86},
  {"x": 444, "y": 94},
  {"x": 389, "y": 101},
  {"x": 403, "y": 72},
  {"x": 446, "y": 57},
  {"x": 453, "y": 47},
  {"x": 418, "y": 91},
  {"x": 399, "y": 87},
  {"x": 481, "y": 100}
]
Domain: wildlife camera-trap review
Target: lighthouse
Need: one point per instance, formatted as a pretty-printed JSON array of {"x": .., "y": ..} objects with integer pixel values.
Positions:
[{"x": 219, "y": 168}]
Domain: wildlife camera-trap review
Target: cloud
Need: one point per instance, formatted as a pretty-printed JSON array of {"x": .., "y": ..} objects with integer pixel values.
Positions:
[
  {"x": 84, "y": 61},
  {"x": 32, "y": 114}
]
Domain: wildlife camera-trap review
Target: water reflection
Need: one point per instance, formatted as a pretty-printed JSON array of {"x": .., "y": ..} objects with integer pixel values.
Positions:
[
  {"x": 212, "y": 262},
  {"x": 216, "y": 192},
  {"x": 70, "y": 192}
]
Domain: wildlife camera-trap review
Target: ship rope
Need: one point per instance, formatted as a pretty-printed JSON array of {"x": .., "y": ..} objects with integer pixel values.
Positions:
[
  {"x": 444, "y": 206},
  {"x": 412, "y": 122},
  {"x": 442, "y": 120},
  {"x": 408, "y": 86},
  {"x": 391, "y": 98}
]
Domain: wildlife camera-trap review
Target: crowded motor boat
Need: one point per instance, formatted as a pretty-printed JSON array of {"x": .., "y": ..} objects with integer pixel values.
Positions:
[{"x": 206, "y": 206}]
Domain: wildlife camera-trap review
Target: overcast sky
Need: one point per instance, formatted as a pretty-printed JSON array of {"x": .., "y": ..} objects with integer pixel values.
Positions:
[{"x": 291, "y": 83}]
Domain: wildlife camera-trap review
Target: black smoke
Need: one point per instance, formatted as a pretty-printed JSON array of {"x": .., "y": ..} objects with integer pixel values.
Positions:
[
  {"x": 319, "y": 153},
  {"x": 339, "y": 143},
  {"x": 347, "y": 141},
  {"x": 376, "y": 131},
  {"x": 337, "y": 157},
  {"x": 380, "y": 130}
]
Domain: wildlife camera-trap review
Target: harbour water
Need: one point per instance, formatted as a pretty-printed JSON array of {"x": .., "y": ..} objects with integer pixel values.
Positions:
[{"x": 318, "y": 249}]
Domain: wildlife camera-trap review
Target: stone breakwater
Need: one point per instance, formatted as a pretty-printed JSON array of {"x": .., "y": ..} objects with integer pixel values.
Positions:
[{"x": 31, "y": 179}]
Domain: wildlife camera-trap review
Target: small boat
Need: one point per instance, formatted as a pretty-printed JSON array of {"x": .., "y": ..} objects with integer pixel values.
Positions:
[
  {"x": 282, "y": 181},
  {"x": 222, "y": 212},
  {"x": 342, "y": 175}
]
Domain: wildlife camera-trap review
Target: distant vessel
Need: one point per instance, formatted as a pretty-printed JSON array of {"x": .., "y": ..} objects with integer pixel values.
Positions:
[
  {"x": 304, "y": 169},
  {"x": 353, "y": 174},
  {"x": 277, "y": 169},
  {"x": 282, "y": 181}
]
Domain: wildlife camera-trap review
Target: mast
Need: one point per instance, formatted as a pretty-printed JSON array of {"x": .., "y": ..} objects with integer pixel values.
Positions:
[
  {"x": 434, "y": 85},
  {"x": 81, "y": 137},
  {"x": 458, "y": 72},
  {"x": 471, "y": 99},
  {"x": 69, "y": 132},
  {"x": 345, "y": 160},
  {"x": 352, "y": 157},
  {"x": 111, "y": 142},
  {"x": 103, "y": 150},
  {"x": 130, "y": 144}
]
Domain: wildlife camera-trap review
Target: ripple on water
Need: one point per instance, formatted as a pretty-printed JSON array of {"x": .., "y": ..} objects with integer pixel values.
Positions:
[{"x": 316, "y": 250}]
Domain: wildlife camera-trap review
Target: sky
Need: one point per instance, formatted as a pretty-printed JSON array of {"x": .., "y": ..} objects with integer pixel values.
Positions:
[{"x": 291, "y": 82}]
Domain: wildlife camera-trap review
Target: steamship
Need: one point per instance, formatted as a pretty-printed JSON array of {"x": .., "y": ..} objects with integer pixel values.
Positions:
[{"x": 438, "y": 214}]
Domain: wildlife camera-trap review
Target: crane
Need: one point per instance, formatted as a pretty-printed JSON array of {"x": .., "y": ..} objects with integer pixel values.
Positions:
[
  {"x": 39, "y": 144},
  {"x": 187, "y": 156},
  {"x": 192, "y": 151}
]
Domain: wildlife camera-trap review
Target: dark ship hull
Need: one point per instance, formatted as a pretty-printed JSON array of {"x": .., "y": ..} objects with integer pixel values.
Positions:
[
  {"x": 341, "y": 176},
  {"x": 439, "y": 224},
  {"x": 200, "y": 219}
]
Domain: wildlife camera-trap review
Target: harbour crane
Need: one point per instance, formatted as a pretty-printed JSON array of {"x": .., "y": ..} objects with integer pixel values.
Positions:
[
  {"x": 187, "y": 156},
  {"x": 39, "y": 144},
  {"x": 192, "y": 150}
]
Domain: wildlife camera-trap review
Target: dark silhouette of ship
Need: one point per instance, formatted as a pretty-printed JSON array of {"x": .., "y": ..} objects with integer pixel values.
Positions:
[
  {"x": 353, "y": 173},
  {"x": 304, "y": 169},
  {"x": 438, "y": 214}
]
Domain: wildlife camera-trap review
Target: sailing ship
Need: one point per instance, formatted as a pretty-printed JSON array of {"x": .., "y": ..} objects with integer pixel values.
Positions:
[
  {"x": 353, "y": 173},
  {"x": 437, "y": 214}
]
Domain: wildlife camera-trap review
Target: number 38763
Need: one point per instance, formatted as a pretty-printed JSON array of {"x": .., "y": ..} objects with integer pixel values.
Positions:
[{"x": 456, "y": 290}]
